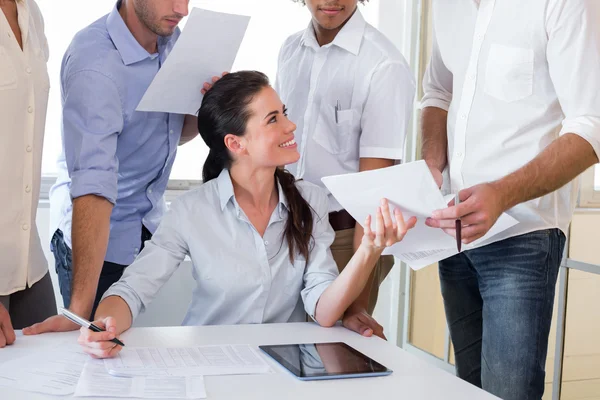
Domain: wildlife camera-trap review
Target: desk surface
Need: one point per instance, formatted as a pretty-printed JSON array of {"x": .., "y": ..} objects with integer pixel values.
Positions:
[{"x": 412, "y": 378}]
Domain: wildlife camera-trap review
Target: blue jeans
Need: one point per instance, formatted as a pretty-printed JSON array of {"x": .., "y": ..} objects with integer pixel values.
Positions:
[
  {"x": 63, "y": 259},
  {"x": 499, "y": 300}
]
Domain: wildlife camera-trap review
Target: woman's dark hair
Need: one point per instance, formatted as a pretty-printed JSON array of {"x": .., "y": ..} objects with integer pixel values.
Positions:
[{"x": 226, "y": 110}]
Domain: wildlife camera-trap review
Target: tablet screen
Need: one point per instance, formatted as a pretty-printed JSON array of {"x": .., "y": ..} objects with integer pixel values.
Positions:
[{"x": 323, "y": 359}]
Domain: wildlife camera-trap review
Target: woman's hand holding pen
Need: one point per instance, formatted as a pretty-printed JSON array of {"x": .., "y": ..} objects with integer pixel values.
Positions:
[
  {"x": 388, "y": 230},
  {"x": 98, "y": 344}
]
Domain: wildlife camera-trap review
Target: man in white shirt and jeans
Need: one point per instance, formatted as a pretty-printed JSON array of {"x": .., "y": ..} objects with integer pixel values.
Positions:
[
  {"x": 350, "y": 93},
  {"x": 26, "y": 294},
  {"x": 511, "y": 110}
]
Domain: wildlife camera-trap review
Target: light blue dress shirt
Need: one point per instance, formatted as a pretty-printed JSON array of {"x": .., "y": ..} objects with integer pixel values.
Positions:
[
  {"x": 241, "y": 277},
  {"x": 109, "y": 149}
]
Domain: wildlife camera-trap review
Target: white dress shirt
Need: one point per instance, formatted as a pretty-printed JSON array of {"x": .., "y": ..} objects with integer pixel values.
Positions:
[
  {"x": 514, "y": 76},
  {"x": 363, "y": 71},
  {"x": 241, "y": 277},
  {"x": 24, "y": 87}
]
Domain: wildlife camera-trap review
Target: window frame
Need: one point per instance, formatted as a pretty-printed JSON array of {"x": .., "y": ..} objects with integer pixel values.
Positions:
[{"x": 589, "y": 197}]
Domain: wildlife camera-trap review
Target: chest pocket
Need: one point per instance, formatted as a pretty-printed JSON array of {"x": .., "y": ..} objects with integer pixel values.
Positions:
[
  {"x": 509, "y": 73},
  {"x": 295, "y": 277},
  {"x": 8, "y": 74},
  {"x": 337, "y": 137}
]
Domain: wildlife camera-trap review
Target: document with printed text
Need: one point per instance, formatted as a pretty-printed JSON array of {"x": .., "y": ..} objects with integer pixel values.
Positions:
[
  {"x": 53, "y": 372},
  {"x": 187, "y": 361},
  {"x": 96, "y": 381}
]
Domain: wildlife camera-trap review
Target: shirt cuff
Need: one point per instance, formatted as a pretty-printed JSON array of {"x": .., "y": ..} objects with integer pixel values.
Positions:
[
  {"x": 311, "y": 297},
  {"x": 586, "y": 127},
  {"x": 434, "y": 102},
  {"x": 125, "y": 292},
  {"x": 382, "y": 152},
  {"x": 99, "y": 183}
]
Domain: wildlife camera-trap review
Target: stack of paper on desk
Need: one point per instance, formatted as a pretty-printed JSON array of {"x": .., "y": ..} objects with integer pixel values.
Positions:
[
  {"x": 187, "y": 361},
  {"x": 411, "y": 188},
  {"x": 95, "y": 381},
  {"x": 207, "y": 47},
  {"x": 54, "y": 372}
]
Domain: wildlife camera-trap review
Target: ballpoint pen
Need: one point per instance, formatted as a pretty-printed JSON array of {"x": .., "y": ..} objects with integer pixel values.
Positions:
[
  {"x": 86, "y": 324},
  {"x": 337, "y": 108},
  {"x": 458, "y": 224}
]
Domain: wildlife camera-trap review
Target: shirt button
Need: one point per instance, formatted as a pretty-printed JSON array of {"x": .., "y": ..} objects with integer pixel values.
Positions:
[
  {"x": 149, "y": 190},
  {"x": 28, "y": 70},
  {"x": 25, "y": 227},
  {"x": 30, "y": 109},
  {"x": 459, "y": 154},
  {"x": 171, "y": 131},
  {"x": 137, "y": 250},
  {"x": 464, "y": 116},
  {"x": 27, "y": 189},
  {"x": 266, "y": 242},
  {"x": 28, "y": 148}
]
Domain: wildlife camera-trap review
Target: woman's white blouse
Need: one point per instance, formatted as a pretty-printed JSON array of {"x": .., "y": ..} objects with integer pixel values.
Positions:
[{"x": 241, "y": 277}]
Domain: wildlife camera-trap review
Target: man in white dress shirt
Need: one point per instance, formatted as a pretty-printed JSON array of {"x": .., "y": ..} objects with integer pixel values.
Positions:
[
  {"x": 26, "y": 294},
  {"x": 350, "y": 92},
  {"x": 512, "y": 112}
]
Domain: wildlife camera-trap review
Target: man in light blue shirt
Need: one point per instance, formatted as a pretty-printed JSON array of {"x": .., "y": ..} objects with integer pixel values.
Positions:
[{"x": 116, "y": 161}]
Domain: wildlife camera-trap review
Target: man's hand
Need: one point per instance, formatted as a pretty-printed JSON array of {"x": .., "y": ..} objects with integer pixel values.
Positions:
[
  {"x": 7, "y": 333},
  {"x": 56, "y": 323},
  {"x": 361, "y": 322},
  {"x": 208, "y": 85},
  {"x": 480, "y": 208}
]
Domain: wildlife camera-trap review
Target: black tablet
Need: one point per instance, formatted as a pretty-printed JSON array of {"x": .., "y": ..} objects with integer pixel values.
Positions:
[{"x": 316, "y": 361}]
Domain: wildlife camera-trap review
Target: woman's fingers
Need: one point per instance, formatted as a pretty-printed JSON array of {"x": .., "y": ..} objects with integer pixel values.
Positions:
[
  {"x": 367, "y": 228},
  {"x": 380, "y": 229}
]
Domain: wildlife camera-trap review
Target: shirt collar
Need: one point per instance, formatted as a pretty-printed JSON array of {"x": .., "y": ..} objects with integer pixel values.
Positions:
[
  {"x": 225, "y": 188},
  {"x": 128, "y": 47},
  {"x": 349, "y": 38}
]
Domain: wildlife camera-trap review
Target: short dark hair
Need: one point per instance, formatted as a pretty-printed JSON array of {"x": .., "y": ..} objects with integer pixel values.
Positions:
[{"x": 303, "y": 2}]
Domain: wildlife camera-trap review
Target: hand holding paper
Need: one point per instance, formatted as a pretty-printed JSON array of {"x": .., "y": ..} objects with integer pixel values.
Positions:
[
  {"x": 479, "y": 209},
  {"x": 411, "y": 188},
  {"x": 389, "y": 230},
  {"x": 207, "y": 46}
]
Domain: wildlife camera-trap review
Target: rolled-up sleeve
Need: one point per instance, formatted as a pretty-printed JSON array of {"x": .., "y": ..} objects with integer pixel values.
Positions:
[
  {"x": 321, "y": 269},
  {"x": 92, "y": 121},
  {"x": 387, "y": 112},
  {"x": 153, "y": 267},
  {"x": 437, "y": 82},
  {"x": 573, "y": 54}
]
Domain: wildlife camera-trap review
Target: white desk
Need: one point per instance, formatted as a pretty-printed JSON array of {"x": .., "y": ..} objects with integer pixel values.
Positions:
[{"x": 412, "y": 378}]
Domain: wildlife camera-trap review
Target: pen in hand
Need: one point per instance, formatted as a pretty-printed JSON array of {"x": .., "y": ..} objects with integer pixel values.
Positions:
[
  {"x": 458, "y": 225},
  {"x": 86, "y": 324}
]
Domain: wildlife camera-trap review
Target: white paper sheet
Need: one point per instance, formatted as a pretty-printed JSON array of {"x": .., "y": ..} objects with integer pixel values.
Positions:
[
  {"x": 411, "y": 188},
  {"x": 96, "y": 381},
  {"x": 207, "y": 47},
  {"x": 54, "y": 372},
  {"x": 187, "y": 361}
]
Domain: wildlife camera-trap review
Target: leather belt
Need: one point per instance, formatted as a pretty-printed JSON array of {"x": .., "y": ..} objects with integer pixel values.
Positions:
[{"x": 341, "y": 220}]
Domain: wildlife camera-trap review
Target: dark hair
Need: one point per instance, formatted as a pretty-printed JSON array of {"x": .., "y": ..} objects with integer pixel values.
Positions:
[{"x": 225, "y": 110}]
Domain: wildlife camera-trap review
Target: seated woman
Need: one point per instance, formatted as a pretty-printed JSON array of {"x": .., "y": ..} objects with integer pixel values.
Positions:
[{"x": 258, "y": 239}]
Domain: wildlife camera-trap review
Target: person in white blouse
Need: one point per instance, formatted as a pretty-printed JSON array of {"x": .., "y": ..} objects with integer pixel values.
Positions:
[
  {"x": 259, "y": 240},
  {"x": 511, "y": 111},
  {"x": 351, "y": 93},
  {"x": 26, "y": 294}
]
